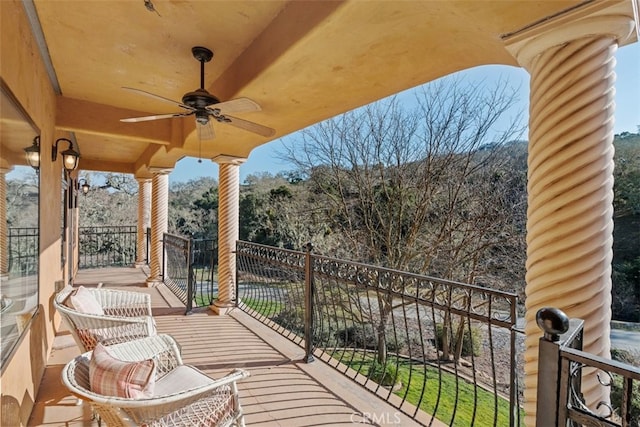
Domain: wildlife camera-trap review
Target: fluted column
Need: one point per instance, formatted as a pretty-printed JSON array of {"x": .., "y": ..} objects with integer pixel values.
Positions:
[
  {"x": 228, "y": 230},
  {"x": 4, "y": 248},
  {"x": 144, "y": 207},
  {"x": 570, "y": 183},
  {"x": 159, "y": 222}
]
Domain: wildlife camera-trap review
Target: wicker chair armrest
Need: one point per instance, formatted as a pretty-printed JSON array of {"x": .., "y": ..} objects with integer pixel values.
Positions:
[{"x": 62, "y": 295}]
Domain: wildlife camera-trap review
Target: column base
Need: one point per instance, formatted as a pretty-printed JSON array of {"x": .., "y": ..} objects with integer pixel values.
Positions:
[
  {"x": 222, "y": 308},
  {"x": 140, "y": 264},
  {"x": 152, "y": 283}
]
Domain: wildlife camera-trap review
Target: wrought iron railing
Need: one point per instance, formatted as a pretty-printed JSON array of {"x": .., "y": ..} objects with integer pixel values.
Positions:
[
  {"x": 22, "y": 248},
  {"x": 189, "y": 270},
  {"x": 434, "y": 349},
  {"x": 107, "y": 246},
  {"x": 562, "y": 367}
]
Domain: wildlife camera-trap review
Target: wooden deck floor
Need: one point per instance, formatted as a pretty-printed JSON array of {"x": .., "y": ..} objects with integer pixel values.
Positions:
[{"x": 281, "y": 391}]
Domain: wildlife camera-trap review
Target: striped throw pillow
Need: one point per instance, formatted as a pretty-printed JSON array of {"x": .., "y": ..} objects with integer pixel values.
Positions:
[{"x": 109, "y": 376}]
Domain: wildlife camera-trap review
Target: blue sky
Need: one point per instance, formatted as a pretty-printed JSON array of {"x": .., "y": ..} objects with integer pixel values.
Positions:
[{"x": 264, "y": 158}]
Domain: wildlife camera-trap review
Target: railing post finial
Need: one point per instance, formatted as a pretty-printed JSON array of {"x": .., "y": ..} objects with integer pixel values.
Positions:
[{"x": 553, "y": 321}]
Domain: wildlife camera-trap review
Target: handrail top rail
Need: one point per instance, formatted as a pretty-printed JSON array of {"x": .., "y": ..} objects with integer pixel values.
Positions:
[
  {"x": 381, "y": 269},
  {"x": 177, "y": 236},
  {"x": 594, "y": 361}
]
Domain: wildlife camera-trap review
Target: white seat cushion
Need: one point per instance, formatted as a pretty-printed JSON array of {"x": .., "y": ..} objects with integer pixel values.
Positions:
[{"x": 182, "y": 378}]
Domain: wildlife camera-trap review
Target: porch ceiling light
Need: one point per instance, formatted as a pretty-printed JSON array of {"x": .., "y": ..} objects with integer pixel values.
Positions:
[
  {"x": 33, "y": 154},
  {"x": 70, "y": 156}
]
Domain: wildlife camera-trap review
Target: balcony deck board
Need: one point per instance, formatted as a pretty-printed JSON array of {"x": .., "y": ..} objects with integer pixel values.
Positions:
[{"x": 281, "y": 391}]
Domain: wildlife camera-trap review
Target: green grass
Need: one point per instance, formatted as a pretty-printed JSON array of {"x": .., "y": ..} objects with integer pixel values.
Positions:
[
  {"x": 455, "y": 398},
  {"x": 266, "y": 308},
  {"x": 203, "y": 300}
]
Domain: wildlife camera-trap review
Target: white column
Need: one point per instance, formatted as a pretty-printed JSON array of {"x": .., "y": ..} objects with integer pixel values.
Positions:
[
  {"x": 159, "y": 223},
  {"x": 144, "y": 208},
  {"x": 228, "y": 230},
  {"x": 570, "y": 182}
]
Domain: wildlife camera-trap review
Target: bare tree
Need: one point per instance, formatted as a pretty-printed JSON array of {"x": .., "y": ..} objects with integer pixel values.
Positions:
[
  {"x": 419, "y": 189},
  {"x": 22, "y": 198},
  {"x": 111, "y": 200}
]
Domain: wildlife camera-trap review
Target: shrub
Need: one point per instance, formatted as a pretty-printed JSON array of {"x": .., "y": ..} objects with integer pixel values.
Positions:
[
  {"x": 292, "y": 320},
  {"x": 624, "y": 356},
  {"x": 471, "y": 340},
  {"x": 396, "y": 342},
  {"x": 360, "y": 336},
  {"x": 385, "y": 375},
  {"x": 634, "y": 404},
  {"x": 627, "y": 357}
]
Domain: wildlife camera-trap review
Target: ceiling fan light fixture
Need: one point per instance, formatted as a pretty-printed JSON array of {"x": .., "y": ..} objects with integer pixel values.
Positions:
[{"x": 202, "y": 117}]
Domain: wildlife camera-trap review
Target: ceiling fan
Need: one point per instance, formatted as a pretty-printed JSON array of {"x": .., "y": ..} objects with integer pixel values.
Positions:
[{"x": 205, "y": 106}]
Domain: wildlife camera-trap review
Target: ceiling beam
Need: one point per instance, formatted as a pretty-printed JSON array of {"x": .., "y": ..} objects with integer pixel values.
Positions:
[
  {"x": 105, "y": 166},
  {"x": 98, "y": 119},
  {"x": 293, "y": 23}
]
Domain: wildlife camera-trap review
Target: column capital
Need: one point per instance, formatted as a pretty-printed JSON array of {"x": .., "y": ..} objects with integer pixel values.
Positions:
[
  {"x": 143, "y": 179},
  {"x": 617, "y": 20},
  {"x": 158, "y": 170},
  {"x": 5, "y": 170},
  {"x": 226, "y": 159}
]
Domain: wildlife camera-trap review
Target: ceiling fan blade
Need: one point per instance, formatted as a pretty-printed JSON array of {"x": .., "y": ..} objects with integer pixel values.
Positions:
[
  {"x": 162, "y": 98},
  {"x": 238, "y": 105},
  {"x": 154, "y": 117},
  {"x": 250, "y": 126},
  {"x": 205, "y": 132}
]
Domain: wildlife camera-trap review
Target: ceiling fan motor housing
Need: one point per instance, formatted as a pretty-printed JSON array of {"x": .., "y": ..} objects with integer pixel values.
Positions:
[{"x": 199, "y": 98}]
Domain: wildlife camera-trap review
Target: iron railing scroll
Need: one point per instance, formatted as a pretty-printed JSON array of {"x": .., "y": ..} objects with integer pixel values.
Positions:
[
  {"x": 189, "y": 269},
  {"x": 561, "y": 368},
  {"x": 434, "y": 349}
]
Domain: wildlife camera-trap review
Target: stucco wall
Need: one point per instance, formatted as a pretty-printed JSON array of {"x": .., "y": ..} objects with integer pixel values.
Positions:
[{"x": 22, "y": 69}]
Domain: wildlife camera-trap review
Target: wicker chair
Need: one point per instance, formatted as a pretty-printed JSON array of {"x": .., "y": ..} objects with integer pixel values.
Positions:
[
  {"x": 184, "y": 395},
  {"x": 127, "y": 316}
]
